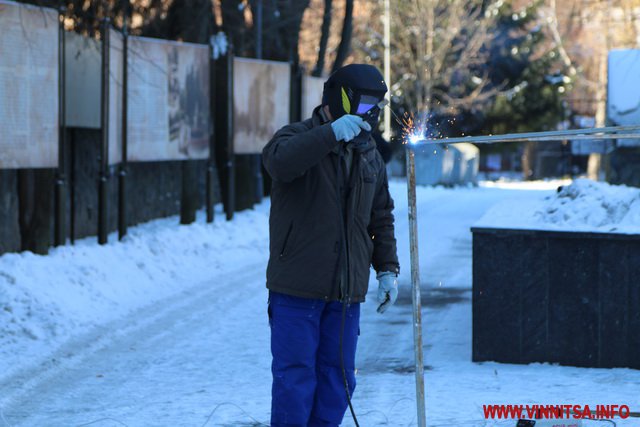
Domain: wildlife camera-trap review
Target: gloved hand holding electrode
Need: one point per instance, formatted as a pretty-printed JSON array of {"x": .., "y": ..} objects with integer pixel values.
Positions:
[
  {"x": 387, "y": 290},
  {"x": 347, "y": 127}
]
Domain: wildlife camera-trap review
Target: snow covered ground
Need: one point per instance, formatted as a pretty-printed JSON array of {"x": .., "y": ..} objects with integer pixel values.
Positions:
[{"x": 169, "y": 328}]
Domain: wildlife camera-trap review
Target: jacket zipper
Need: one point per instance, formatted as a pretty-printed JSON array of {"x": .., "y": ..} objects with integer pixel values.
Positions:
[
  {"x": 286, "y": 240},
  {"x": 352, "y": 209},
  {"x": 342, "y": 258},
  {"x": 345, "y": 271}
]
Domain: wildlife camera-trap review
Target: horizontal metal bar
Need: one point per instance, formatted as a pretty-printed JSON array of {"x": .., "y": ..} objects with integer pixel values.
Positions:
[
  {"x": 559, "y": 135},
  {"x": 536, "y": 139}
]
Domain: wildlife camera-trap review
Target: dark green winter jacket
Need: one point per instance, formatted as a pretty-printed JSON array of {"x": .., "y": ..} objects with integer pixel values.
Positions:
[{"x": 326, "y": 228}]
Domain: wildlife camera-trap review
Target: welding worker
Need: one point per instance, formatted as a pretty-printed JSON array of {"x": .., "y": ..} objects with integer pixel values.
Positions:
[{"x": 331, "y": 219}]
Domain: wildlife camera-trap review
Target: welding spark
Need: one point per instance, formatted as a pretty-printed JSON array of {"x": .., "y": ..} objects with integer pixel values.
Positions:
[{"x": 416, "y": 129}]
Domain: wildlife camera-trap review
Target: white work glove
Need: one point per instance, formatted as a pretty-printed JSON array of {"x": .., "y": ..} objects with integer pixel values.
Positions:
[
  {"x": 387, "y": 290},
  {"x": 348, "y": 127}
]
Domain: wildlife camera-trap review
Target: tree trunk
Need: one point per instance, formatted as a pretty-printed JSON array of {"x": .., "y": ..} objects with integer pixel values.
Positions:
[
  {"x": 345, "y": 42},
  {"x": 234, "y": 25},
  {"x": 289, "y": 27},
  {"x": 529, "y": 157},
  {"x": 324, "y": 39}
]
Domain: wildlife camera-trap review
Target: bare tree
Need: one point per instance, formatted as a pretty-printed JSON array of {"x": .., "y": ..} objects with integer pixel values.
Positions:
[
  {"x": 345, "y": 41},
  {"x": 583, "y": 32},
  {"x": 291, "y": 14},
  {"x": 437, "y": 48},
  {"x": 324, "y": 38}
]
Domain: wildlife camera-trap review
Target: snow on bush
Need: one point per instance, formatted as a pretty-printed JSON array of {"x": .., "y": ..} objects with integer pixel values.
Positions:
[
  {"x": 591, "y": 204},
  {"x": 583, "y": 205}
]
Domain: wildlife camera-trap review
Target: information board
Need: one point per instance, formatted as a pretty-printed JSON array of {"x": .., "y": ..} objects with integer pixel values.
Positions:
[
  {"x": 261, "y": 102},
  {"x": 28, "y": 86},
  {"x": 168, "y": 111}
]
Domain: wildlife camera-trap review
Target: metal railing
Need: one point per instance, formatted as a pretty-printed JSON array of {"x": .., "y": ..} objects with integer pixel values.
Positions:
[{"x": 611, "y": 132}]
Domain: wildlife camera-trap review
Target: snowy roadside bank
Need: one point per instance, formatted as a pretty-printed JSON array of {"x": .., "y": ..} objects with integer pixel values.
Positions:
[
  {"x": 583, "y": 205},
  {"x": 45, "y": 300}
]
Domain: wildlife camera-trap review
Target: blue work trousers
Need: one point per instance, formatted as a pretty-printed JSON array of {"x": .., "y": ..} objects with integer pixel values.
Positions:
[{"x": 308, "y": 387}]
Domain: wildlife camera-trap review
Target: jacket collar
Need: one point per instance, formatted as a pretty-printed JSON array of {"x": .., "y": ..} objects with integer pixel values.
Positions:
[{"x": 319, "y": 117}]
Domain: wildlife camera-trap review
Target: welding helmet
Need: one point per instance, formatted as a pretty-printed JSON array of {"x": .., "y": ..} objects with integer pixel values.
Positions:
[{"x": 355, "y": 89}]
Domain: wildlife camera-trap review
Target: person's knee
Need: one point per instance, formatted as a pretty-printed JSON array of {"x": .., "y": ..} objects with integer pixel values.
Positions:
[
  {"x": 331, "y": 379},
  {"x": 331, "y": 402},
  {"x": 292, "y": 396}
]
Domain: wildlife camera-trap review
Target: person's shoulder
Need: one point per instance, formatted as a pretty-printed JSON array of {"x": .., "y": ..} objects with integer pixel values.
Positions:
[{"x": 297, "y": 127}]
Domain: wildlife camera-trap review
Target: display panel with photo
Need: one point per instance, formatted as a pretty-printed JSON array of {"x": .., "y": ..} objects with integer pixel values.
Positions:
[
  {"x": 168, "y": 100},
  {"x": 28, "y": 86}
]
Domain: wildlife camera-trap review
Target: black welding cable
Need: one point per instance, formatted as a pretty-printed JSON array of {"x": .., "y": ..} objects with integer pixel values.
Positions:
[
  {"x": 340, "y": 181},
  {"x": 344, "y": 372}
]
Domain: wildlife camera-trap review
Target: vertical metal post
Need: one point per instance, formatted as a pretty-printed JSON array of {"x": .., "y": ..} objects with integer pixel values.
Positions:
[
  {"x": 60, "y": 182},
  {"x": 209, "y": 190},
  {"x": 295, "y": 93},
  {"x": 104, "y": 148},
  {"x": 212, "y": 131},
  {"x": 415, "y": 287},
  {"x": 256, "y": 163},
  {"x": 122, "y": 175},
  {"x": 72, "y": 188},
  {"x": 230, "y": 166},
  {"x": 387, "y": 68}
]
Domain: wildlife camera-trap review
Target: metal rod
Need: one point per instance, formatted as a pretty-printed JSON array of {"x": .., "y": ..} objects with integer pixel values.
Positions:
[
  {"x": 576, "y": 134},
  {"x": 104, "y": 148},
  {"x": 209, "y": 191},
  {"x": 60, "y": 182},
  {"x": 122, "y": 175},
  {"x": 256, "y": 159},
  {"x": 415, "y": 288},
  {"x": 231, "y": 170},
  {"x": 212, "y": 135},
  {"x": 387, "y": 67},
  {"x": 533, "y": 139},
  {"x": 72, "y": 188}
]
